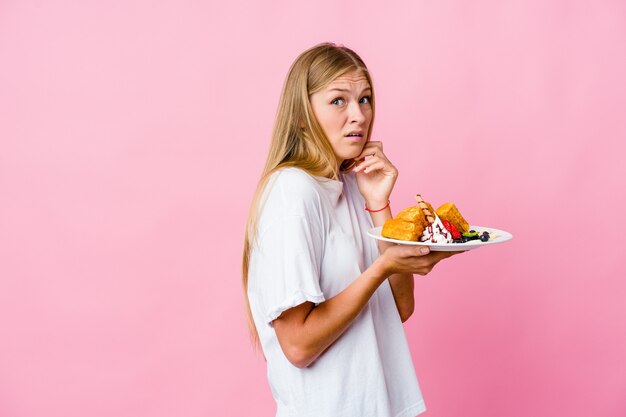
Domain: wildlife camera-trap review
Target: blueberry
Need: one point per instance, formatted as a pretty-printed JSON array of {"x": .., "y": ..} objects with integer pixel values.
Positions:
[{"x": 484, "y": 237}]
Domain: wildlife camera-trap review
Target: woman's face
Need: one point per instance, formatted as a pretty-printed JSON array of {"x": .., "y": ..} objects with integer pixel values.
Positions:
[{"x": 344, "y": 111}]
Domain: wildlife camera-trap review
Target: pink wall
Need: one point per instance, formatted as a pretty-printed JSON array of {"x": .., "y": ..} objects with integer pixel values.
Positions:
[{"x": 132, "y": 134}]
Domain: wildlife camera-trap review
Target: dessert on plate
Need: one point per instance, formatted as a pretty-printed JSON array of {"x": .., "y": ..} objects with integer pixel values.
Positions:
[{"x": 421, "y": 223}]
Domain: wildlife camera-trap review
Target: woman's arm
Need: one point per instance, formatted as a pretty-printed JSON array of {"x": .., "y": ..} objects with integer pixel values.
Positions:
[
  {"x": 306, "y": 331},
  {"x": 376, "y": 177}
]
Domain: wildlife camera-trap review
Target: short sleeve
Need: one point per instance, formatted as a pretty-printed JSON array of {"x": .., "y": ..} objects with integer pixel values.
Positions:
[{"x": 287, "y": 265}]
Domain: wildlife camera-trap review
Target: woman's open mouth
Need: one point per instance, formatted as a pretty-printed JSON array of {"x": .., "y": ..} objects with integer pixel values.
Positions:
[{"x": 355, "y": 136}]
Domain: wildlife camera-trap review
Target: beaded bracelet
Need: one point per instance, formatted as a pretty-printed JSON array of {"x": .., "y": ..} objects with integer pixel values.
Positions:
[{"x": 376, "y": 211}]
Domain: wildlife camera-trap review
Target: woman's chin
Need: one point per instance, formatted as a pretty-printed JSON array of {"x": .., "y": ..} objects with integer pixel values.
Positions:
[{"x": 354, "y": 152}]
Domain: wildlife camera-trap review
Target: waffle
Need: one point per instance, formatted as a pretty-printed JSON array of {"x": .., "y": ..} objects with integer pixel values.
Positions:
[
  {"x": 402, "y": 230},
  {"x": 413, "y": 214},
  {"x": 411, "y": 222},
  {"x": 449, "y": 212}
]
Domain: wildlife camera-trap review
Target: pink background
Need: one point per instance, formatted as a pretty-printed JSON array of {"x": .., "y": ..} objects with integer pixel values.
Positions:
[{"x": 132, "y": 134}]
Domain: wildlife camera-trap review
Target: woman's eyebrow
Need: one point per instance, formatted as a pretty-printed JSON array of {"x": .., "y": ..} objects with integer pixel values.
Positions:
[{"x": 345, "y": 90}]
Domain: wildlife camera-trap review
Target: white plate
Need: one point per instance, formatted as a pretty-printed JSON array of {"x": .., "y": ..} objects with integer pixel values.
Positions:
[{"x": 497, "y": 236}]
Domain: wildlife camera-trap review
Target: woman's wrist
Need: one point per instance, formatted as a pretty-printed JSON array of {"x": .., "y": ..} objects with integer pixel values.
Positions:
[
  {"x": 370, "y": 207},
  {"x": 376, "y": 205},
  {"x": 380, "y": 268},
  {"x": 379, "y": 214}
]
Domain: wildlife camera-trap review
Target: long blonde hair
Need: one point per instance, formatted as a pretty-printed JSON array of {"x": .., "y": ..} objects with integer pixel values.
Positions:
[{"x": 297, "y": 139}]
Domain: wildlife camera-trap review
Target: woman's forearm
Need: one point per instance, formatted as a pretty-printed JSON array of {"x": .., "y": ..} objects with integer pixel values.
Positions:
[{"x": 305, "y": 332}]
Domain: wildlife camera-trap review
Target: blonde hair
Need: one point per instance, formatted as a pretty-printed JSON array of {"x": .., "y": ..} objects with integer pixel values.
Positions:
[{"x": 297, "y": 139}]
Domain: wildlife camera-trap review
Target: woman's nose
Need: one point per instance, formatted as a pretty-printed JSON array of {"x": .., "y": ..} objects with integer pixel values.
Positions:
[{"x": 356, "y": 113}]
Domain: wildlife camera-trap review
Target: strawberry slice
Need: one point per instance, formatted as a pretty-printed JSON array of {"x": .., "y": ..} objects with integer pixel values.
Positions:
[{"x": 452, "y": 229}]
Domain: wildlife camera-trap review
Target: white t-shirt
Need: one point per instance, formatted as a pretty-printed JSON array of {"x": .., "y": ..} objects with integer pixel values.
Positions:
[{"x": 312, "y": 243}]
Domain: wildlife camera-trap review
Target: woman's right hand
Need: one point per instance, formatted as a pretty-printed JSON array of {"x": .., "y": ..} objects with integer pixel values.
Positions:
[{"x": 410, "y": 259}]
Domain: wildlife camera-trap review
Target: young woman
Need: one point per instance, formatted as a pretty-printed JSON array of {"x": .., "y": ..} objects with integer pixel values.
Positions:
[{"x": 326, "y": 301}]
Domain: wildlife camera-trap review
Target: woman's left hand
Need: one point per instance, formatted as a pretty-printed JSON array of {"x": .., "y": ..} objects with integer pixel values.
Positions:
[{"x": 375, "y": 175}]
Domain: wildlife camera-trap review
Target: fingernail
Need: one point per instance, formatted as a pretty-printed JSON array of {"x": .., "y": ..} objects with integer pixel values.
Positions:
[{"x": 425, "y": 250}]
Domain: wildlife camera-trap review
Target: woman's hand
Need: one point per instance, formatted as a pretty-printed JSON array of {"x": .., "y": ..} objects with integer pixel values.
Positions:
[
  {"x": 410, "y": 259},
  {"x": 375, "y": 175}
]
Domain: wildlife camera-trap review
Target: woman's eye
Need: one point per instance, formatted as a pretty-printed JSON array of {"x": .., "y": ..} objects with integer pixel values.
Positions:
[
  {"x": 365, "y": 100},
  {"x": 337, "y": 101}
]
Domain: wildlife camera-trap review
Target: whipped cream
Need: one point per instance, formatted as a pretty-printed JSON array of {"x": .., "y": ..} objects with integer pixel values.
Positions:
[{"x": 436, "y": 233}]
